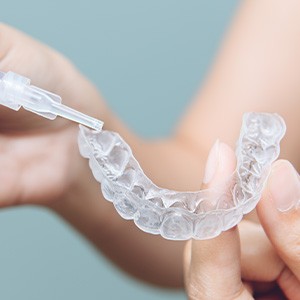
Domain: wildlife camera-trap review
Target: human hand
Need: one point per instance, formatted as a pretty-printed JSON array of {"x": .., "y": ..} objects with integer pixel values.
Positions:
[
  {"x": 39, "y": 158},
  {"x": 279, "y": 215},
  {"x": 214, "y": 269}
]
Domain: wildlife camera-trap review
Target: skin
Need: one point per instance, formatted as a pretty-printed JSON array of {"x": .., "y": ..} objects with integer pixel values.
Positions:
[
  {"x": 42, "y": 166},
  {"x": 213, "y": 268}
]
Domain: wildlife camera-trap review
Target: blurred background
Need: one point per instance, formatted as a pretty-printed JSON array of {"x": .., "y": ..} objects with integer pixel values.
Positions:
[{"x": 148, "y": 59}]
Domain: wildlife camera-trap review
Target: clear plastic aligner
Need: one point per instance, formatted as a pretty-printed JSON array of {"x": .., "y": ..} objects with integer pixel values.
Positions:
[
  {"x": 16, "y": 91},
  {"x": 184, "y": 215}
]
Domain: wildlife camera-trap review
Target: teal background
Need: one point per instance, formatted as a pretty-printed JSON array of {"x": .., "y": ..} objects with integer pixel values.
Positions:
[{"x": 148, "y": 59}]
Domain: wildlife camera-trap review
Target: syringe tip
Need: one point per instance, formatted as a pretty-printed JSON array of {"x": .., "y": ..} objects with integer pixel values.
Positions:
[{"x": 97, "y": 125}]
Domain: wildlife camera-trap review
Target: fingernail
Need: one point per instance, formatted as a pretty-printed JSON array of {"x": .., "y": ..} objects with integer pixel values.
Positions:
[
  {"x": 284, "y": 184},
  {"x": 212, "y": 162}
]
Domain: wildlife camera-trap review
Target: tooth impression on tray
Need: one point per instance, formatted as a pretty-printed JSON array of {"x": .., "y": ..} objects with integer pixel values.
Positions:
[{"x": 184, "y": 215}]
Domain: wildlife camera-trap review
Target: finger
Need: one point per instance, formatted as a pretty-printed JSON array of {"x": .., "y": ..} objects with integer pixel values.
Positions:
[
  {"x": 281, "y": 220},
  {"x": 289, "y": 284},
  {"x": 259, "y": 259},
  {"x": 214, "y": 271},
  {"x": 214, "y": 265}
]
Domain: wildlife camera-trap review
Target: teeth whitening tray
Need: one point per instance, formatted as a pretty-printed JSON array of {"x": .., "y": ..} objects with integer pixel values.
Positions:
[{"x": 172, "y": 214}]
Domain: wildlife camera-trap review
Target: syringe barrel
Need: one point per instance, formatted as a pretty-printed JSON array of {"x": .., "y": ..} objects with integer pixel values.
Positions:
[
  {"x": 12, "y": 88},
  {"x": 16, "y": 91}
]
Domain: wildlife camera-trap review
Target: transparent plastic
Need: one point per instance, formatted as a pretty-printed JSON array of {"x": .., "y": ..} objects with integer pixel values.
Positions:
[
  {"x": 184, "y": 215},
  {"x": 16, "y": 91}
]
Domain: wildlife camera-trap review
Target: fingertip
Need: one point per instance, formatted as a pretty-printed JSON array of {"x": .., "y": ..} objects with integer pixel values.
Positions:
[
  {"x": 221, "y": 163},
  {"x": 282, "y": 191}
]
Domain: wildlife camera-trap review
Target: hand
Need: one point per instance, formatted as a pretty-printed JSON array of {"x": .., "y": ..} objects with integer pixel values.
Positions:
[
  {"x": 279, "y": 215},
  {"x": 38, "y": 157},
  {"x": 214, "y": 269}
]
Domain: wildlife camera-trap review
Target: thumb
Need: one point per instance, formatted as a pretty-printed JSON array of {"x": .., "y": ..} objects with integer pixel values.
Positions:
[
  {"x": 278, "y": 214},
  {"x": 212, "y": 267}
]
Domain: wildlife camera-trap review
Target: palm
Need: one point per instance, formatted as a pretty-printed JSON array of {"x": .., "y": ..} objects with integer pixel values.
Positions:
[{"x": 38, "y": 157}]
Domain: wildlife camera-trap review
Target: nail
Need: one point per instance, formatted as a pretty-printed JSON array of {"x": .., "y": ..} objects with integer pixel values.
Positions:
[
  {"x": 284, "y": 185},
  {"x": 212, "y": 162}
]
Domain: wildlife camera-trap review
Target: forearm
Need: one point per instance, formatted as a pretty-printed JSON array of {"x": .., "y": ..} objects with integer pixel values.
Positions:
[{"x": 257, "y": 69}]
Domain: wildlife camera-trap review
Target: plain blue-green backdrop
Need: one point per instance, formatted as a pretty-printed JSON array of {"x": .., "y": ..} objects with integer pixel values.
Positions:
[{"x": 148, "y": 59}]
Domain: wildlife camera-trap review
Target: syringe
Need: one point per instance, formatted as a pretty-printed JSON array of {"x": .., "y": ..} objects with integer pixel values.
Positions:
[{"x": 16, "y": 91}]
